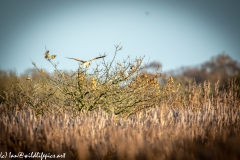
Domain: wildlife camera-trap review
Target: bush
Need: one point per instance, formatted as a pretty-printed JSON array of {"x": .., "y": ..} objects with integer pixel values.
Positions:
[{"x": 119, "y": 88}]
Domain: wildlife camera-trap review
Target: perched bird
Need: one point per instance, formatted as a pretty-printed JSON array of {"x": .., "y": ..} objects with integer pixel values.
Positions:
[
  {"x": 47, "y": 55},
  {"x": 86, "y": 63}
]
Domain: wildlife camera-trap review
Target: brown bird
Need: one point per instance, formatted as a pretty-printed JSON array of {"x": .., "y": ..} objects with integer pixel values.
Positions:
[{"x": 86, "y": 63}]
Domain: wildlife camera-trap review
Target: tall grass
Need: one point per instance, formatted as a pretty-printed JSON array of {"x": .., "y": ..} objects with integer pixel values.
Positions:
[
  {"x": 163, "y": 132},
  {"x": 119, "y": 111}
]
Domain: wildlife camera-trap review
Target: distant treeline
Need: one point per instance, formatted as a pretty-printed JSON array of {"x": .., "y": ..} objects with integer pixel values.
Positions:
[{"x": 220, "y": 68}]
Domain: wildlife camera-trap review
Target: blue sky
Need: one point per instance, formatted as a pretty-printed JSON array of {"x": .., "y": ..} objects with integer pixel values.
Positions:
[{"x": 174, "y": 33}]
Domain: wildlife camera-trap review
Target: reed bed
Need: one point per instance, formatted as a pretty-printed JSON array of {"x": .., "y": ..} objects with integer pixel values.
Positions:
[{"x": 160, "y": 133}]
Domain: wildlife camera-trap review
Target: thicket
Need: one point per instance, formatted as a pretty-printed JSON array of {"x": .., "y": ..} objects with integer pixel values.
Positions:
[{"x": 119, "y": 87}]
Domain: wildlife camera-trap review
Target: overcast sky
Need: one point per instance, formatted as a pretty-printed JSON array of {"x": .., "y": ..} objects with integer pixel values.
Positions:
[{"x": 175, "y": 33}]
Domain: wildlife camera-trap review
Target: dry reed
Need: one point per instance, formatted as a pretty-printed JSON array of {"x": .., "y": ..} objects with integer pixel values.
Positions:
[{"x": 160, "y": 133}]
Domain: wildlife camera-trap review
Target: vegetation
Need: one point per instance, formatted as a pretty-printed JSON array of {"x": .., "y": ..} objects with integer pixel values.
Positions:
[
  {"x": 112, "y": 87},
  {"x": 119, "y": 111},
  {"x": 219, "y": 68}
]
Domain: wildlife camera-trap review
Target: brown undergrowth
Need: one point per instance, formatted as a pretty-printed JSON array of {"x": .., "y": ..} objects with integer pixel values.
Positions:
[
  {"x": 159, "y": 133},
  {"x": 120, "y": 111}
]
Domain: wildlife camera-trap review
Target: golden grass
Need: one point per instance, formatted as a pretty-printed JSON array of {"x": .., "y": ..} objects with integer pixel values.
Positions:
[
  {"x": 119, "y": 112},
  {"x": 160, "y": 133}
]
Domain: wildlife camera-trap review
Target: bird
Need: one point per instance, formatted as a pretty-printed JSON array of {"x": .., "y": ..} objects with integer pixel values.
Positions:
[
  {"x": 47, "y": 55},
  {"x": 86, "y": 63}
]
